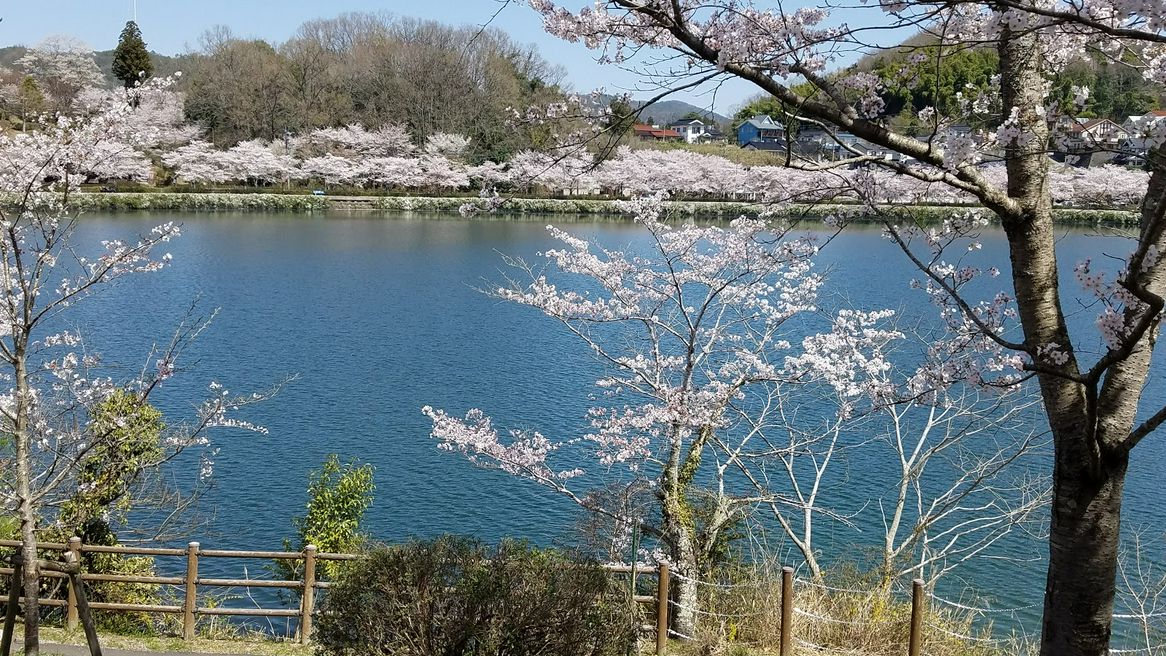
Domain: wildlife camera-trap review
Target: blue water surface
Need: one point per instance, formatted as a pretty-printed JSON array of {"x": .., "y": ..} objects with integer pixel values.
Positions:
[{"x": 377, "y": 316}]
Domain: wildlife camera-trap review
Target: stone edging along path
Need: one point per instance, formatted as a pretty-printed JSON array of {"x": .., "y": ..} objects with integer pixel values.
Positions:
[{"x": 213, "y": 201}]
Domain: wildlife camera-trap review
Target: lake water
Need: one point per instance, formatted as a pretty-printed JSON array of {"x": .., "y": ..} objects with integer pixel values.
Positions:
[{"x": 380, "y": 315}]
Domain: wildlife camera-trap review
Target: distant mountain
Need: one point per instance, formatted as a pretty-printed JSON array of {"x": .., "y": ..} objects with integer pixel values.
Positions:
[
  {"x": 660, "y": 113},
  {"x": 163, "y": 65},
  {"x": 666, "y": 111}
]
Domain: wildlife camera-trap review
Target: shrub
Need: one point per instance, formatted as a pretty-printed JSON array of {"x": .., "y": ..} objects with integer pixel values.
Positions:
[
  {"x": 338, "y": 496},
  {"x": 454, "y": 596}
]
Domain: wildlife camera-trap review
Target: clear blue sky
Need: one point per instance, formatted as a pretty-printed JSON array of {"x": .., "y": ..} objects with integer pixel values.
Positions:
[{"x": 173, "y": 26}]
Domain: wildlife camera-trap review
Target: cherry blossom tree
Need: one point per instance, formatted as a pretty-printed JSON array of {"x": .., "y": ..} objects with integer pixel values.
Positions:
[
  {"x": 257, "y": 161},
  {"x": 197, "y": 162},
  {"x": 1092, "y": 397},
  {"x": 442, "y": 144},
  {"x": 710, "y": 402},
  {"x": 55, "y": 384},
  {"x": 158, "y": 118},
  {"x": 721, "y": 418},
  {"x": 391, "y": 172},
  {"x": 63, "y": 65},
  {"x": 332, "y": 169},
  {"x": 709, "y": 303}
]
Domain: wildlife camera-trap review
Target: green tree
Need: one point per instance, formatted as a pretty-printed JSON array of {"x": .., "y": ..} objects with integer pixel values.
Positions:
[
  {"x": 338, "y": 496},
  {"x": 933, "y": 78},
  {"x": 621, "y": 117},
  {"x": 32, "y": 100},
  {"x": 130, "y": 443},
  {"x": 131, "y": 60}
]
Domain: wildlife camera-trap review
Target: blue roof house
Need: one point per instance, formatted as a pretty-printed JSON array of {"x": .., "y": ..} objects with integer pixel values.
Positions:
[{"x": 760, "y": 128}]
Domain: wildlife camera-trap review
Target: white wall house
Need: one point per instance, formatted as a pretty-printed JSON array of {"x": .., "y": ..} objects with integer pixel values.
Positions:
[{"x": 692, "y": 129}]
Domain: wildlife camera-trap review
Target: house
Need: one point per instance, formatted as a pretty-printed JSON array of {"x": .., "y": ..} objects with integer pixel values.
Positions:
[
  {"x": 760, "y": 128},
  {"x": 1142, "y": 133},
  {"x": 1092, "y": 133},
  {"x": 713, "y": 135},
  {"x": 818, "y": 144},
  {"x": 1141, "y": 125},
  {"x": 767, "y": 146},
  {"x": 693, "y": 130},
  {"x": 645, "y": 132}
]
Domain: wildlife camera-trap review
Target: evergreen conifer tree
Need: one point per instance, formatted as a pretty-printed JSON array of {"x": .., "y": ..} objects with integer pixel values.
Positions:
[{"x": 131, "y": 60}]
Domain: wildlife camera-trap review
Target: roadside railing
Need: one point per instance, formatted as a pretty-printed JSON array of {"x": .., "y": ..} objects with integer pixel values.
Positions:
[{"x": 308, "y": 585}]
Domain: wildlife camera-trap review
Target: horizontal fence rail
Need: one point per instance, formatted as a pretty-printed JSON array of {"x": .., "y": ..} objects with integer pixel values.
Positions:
[
  {"x": 917, "y": 625},
  {"x": 307, "y": 586}
]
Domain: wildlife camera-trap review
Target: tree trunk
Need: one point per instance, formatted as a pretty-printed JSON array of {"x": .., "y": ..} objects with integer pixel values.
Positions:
[
  {"x": 1087, "y": 477},
  {"x": 30, "y": 580},
  {"x": 684, "y": 593},
  {"x": 1085, "y": 532},
  {"x": 682, "y": 545},
  {"x": 678, "y": 529},
  {"x": 1083, "y": 549},
  {"x": 28, "y": 520}
]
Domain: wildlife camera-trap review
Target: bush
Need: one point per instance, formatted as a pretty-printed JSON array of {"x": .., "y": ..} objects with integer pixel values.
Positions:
[
  {"x": 454, "y": 596},
  {"x": 338, "y": 496}
]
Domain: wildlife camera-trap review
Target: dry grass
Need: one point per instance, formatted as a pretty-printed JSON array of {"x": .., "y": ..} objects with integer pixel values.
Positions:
[
  {"x": 250, "y": 644},
  {"x": 743, "y": 618}
]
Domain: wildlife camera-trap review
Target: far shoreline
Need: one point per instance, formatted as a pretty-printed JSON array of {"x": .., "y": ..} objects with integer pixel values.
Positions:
[{"x": 704, "y": 209}]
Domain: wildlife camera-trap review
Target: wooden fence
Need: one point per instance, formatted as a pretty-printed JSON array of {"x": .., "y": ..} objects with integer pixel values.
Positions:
[{"x": 308, "y": 585}]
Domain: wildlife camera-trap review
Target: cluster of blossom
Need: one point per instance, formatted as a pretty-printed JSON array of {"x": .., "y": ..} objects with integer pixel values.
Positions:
[
  {"x": 716, "y": 308},
  {"x": 870, "y": 103},
  {"x": 354, "y": 140},
  {"x": 852, "y": 358},
  {"x": 524, "y": 455},
  {"x": 976, "y": 349},
  {"x": 783, "y": 43},
  {"x": 1119, "y": 306}
]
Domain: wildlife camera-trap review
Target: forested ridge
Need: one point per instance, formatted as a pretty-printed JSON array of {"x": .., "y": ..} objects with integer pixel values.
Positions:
[
  {"x": 916, "y": 75},
  {"x": 356, "y": 68}
]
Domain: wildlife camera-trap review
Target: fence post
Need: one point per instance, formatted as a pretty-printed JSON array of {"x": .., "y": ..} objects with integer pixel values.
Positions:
[
  {"x": 71, "y": 608},
  {"x": 308, "y": 600},
  {"x": 662, "y": 584},
  {"x": 72, "y": 558},
  {"x": 787, "y": 609},
  {"x": 918, "y": 608},
  {"x": 188, "y": 606},
  {"x": 14, "y": 585}
]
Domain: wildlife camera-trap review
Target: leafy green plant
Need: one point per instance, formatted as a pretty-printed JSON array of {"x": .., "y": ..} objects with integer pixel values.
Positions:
[
  {"x": 454, "y": 596},
  {"x": 132, "y": 434},
  {"x": 338, "y": 496}
]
